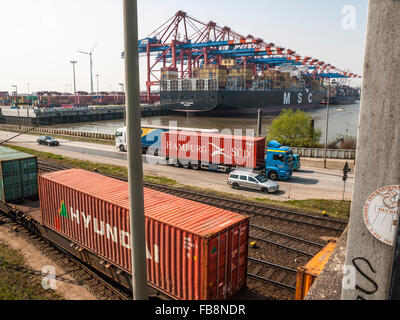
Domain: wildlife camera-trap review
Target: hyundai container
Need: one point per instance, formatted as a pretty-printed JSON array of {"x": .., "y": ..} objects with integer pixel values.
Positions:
[
  {"x": 18, "y": 176},
  {"x": 194, "y": 251}
]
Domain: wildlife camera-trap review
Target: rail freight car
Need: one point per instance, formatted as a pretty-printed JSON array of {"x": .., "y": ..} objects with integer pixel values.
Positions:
[
  {"x": 18, "y": 176},
  {"x": 194, "y": 251}
]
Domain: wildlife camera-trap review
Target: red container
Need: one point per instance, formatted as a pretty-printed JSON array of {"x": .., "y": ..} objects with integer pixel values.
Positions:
[
  {"x": 194, "y": 251},
  {"x": 214, "y": 148}
]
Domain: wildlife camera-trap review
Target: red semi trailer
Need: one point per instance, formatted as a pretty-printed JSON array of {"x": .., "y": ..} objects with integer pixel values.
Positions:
[{"x": 213, "y": 151}]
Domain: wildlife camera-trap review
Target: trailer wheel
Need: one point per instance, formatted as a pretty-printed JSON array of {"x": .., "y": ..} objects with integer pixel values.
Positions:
[
  {"x": 186, "y": 165},
  {"x": 177, "y": 164},
  {"x": 195, "y": 166},
  {"x": 273, "y": 176}
]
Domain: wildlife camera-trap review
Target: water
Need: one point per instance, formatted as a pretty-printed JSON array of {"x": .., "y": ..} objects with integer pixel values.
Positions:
[{"x": 343, "y": 120}]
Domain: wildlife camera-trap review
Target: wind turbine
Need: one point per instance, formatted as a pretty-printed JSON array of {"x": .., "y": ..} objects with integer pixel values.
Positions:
[{"x": 91, "y": 66}]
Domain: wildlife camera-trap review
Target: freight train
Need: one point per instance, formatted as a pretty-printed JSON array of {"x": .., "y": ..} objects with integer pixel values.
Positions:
[
  {"x": 209, "y": 150},
  {"x": 194, "y": 251}
]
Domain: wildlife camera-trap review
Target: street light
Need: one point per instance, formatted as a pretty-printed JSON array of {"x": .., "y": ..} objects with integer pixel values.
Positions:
[
  {"x": 123, "y": 92},
  {"x": 97, "y": 76},
  {"x": 73, "y": 70},
  {"x": 16, "y": 93},
  {"x": 327, "y": 122}
]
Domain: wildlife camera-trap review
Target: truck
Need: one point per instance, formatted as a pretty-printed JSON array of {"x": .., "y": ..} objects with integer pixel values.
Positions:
[
  {"x": 278, "y": 161},
  {"x": 224, "y": 153},
  {"x": 151, "y": 137},
  {"x": 296, "y": 162}
]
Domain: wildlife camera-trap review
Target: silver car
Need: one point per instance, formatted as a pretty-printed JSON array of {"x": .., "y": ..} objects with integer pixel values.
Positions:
[{"x": 249, "y": 180}]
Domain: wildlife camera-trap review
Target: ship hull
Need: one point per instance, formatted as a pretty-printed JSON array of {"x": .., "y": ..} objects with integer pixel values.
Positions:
[
  {"x": 221, "y": 102},
  {"x": 340, "y": 100}
]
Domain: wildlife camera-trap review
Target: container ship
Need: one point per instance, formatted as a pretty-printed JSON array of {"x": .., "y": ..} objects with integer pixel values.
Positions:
[
  {"x": 342, "y": 94},
  {"x": 217, "y": 90}
]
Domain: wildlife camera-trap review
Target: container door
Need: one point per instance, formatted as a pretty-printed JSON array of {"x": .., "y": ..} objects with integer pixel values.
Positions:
[
  {"x": 227, "y": 262},
  {"x": 12, "y": 181},
  {"x": 29, "y": 178}
]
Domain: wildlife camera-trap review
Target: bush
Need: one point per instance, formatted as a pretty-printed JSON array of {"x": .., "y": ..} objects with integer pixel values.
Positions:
[{"x": 294, "y": 129}]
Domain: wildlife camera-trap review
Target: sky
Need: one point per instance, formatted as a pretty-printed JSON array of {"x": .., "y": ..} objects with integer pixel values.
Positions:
[{"x": 39, "y": 38}]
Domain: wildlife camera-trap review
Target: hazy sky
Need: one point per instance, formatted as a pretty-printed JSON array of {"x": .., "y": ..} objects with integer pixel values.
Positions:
[{"x": 39, "y": 38}]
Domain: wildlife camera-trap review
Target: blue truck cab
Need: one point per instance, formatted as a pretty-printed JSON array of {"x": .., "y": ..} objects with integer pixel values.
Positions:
[
  {"x": 278, "y": 162},
  {"x": 296, "y": 162}
]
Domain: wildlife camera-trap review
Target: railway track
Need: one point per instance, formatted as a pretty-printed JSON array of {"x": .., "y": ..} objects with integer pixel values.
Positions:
[
  {"x": 274, "y": 274},
  {"x": 262, "y": 271},
  {"x": 239, "y": 206},
  {"x": 285, "y": 241}
]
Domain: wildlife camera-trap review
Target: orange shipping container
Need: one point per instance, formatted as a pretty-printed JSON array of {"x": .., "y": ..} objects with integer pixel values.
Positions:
[
  {"x": 308, "y": 274},
  {"x": 194, "y": 251}
]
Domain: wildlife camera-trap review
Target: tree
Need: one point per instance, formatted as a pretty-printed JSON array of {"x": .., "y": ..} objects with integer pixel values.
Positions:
[{"x": 294, "y": 129}]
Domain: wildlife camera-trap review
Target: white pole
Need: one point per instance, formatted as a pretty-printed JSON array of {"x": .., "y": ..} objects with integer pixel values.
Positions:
[
  {"x": 327, "y": 122},
  {"x": 135, "y": 168}
]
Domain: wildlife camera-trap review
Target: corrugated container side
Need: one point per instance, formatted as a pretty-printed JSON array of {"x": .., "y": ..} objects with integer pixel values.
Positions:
[
  {"x": 308, "y": 274},
  {"x": 18, "y": 176},
  {"x": 193, "y": 251},
  {"x": 218, "y": 149}
]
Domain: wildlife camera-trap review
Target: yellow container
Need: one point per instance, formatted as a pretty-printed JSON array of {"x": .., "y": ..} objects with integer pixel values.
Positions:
[{"x": 308, "y": 274}]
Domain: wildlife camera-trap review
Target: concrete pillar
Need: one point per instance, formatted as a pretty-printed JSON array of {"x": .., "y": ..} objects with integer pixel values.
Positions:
[
  {"x": 369, "y": 261},
  {"x": 135, "y": 166}
]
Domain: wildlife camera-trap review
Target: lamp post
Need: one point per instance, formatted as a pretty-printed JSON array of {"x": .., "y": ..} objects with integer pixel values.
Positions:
[
  {"x": 327, "y": 122},
  {"x": 16, "y": 93},
  {"x": 123, "y": 91},
  {"x": 73, "y": 70},
  {"x": 97, "y": 77}
]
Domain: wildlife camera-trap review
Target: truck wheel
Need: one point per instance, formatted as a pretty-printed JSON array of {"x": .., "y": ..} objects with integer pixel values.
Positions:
[
  {"x": 186, "y": 165},
  {"x": 122, "y": 148},
  {"x": 235, "y": 185},
  {"x": 273, "y": 176},
  {"x": 195, "y": 166}
]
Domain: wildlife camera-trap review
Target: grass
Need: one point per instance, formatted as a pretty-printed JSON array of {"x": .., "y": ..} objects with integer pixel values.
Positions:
[
  {"x": 333, "y": 208},
  {"x": 17, "y": 281}
]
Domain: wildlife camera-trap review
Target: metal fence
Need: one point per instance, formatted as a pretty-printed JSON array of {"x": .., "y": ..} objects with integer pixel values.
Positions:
[{"x": 320, "y": 153}]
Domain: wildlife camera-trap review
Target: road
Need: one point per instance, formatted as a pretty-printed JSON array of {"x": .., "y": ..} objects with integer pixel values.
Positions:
[{"x": 308, "y": 183}]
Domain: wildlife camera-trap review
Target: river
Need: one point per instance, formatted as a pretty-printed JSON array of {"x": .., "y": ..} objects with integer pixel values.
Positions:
[{"x": 343, "y": 120}]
